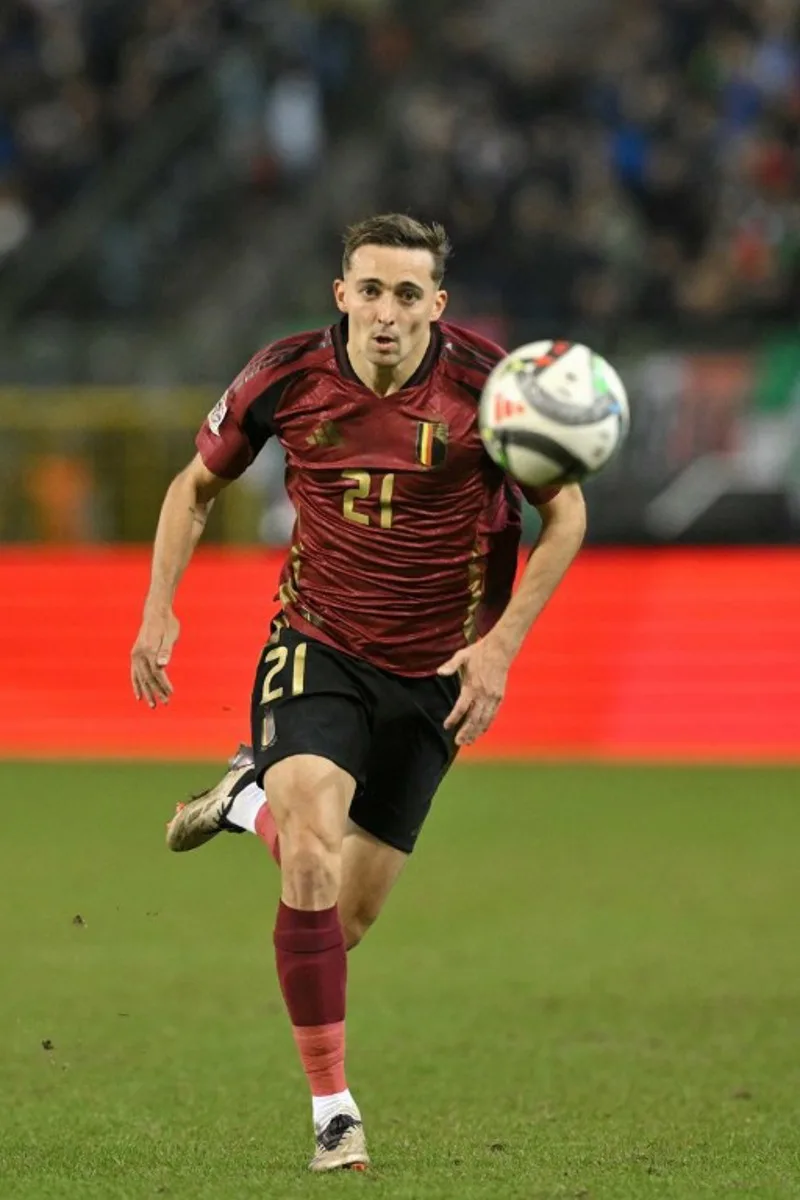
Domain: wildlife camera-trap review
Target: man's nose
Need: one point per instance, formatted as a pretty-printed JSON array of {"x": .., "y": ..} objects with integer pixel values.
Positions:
[{"x": 386, "y": 310}]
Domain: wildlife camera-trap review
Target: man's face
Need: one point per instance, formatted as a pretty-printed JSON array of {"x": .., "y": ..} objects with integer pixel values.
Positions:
[{"x": 390, "y": 298}]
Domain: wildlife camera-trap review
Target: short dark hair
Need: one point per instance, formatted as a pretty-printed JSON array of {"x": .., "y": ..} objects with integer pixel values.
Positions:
[{"x": 398, "y": 229}]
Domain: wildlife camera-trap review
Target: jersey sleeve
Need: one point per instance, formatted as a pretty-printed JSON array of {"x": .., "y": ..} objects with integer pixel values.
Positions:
[
  {"x": 243, "y": 418},
  {"x": 484, "y": 351},
  {"x": 224, "y": 445}
]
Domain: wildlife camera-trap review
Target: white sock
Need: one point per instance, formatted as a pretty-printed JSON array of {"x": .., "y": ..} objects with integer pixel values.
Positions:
[
  {"x": 325, "y": 1108},
  {"x": 245, "y": 807}
]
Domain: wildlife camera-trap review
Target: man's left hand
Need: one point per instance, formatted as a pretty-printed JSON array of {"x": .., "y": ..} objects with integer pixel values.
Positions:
[{"x": 483, "y": 668}]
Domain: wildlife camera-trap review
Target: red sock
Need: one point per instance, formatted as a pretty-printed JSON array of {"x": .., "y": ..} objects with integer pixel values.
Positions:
[
  {"x": 267, "y": 830},
  {"x": 312, "y": 969}
]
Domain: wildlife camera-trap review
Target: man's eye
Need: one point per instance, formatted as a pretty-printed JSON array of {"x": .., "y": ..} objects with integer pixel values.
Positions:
[{"x": 370, "y": 290}]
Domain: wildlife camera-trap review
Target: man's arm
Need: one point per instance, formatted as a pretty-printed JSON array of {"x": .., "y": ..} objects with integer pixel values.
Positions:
[
  {"x": 229, "y": 439},
  {"x": 563, "y": 529},
  {"x": 484, "y": 666},
  {"x": 181, "y": 522},
  {"x": 184, "y": 512}
]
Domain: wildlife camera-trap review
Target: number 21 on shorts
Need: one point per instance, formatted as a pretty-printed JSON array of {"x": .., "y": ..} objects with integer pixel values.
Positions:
[{"x": 276, "y": 660}]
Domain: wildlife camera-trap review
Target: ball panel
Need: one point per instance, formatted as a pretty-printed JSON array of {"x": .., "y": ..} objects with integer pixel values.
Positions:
[
  {"x": 565, "y": 391},
  {"x": 567, "y": 464},
  {"x": 531, "y": 468},
  {"x": 552, "y": 412}
]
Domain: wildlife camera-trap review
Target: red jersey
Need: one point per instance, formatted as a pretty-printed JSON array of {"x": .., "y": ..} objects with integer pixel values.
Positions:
[{"x": 406, "y": 539}]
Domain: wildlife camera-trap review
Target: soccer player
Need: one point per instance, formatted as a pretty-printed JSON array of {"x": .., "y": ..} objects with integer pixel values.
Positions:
[{"x": 396, "y": 626}]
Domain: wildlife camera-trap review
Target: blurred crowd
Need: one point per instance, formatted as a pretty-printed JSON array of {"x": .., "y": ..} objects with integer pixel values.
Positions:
[
  {"x": 80, "y": 78},
  {"x": 76, "y": 78},
  {"x": 649, "y": 171}
]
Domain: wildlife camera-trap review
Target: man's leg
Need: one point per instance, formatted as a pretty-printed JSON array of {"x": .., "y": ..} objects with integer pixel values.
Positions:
[
  {"x": 370, "y": 867},
  {"x": 310, "y": 732},
  {"x": 310, "y": 798},
  {"x": 370, "y": 870}
]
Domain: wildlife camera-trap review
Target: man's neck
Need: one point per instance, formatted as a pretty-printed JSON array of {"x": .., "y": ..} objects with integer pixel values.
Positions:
[{"x": 384, "y": 381}]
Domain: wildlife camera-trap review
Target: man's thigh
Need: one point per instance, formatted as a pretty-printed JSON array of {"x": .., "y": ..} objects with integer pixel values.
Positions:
[
  {"x": 309, "y": 700},
  {"x": 409, "y": 755}
]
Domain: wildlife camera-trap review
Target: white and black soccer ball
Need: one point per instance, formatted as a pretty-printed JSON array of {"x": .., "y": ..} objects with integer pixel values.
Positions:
[{"x": 553, "y": 412}]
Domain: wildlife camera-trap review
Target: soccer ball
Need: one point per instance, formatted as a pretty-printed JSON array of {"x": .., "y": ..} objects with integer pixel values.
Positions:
[{"x": 553, "y": 412}]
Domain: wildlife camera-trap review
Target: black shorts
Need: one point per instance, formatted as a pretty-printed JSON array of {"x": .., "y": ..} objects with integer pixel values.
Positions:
[{"x": 385, "y": 730}]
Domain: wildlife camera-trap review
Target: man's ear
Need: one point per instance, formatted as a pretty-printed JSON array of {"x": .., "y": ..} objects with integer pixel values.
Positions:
[
  {"x": 338, "y": 295},
  {"x": 440, "y": 304}
]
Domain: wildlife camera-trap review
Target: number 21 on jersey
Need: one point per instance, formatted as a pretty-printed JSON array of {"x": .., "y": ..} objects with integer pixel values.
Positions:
[{"x": 357, "y": 498}]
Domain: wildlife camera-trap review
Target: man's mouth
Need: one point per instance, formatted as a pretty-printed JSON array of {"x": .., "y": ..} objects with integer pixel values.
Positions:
[{"x": 384, "y": 340}]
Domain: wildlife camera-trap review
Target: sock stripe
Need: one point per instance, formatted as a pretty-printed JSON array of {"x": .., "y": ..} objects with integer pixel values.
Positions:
[{"x": 321, "y": 1050}]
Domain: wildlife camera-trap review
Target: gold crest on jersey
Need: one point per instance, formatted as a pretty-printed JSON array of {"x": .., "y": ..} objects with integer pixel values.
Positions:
[{"x": 432, "y": 443}]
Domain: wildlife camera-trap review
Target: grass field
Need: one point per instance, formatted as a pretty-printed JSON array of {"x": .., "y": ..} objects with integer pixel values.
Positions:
[{"x": 587, "y": 985}]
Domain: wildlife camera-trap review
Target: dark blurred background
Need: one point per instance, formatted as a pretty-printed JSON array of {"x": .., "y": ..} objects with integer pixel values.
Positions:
[{"x": 175, "y": 175}]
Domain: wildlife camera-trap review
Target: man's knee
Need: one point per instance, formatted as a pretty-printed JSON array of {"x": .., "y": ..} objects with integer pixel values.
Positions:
[
  {"x": 309, "y": 799},
  {"x": 310, "y": 868}
]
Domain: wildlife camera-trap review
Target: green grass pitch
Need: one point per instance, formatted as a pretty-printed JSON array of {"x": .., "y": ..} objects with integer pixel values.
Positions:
[{"x": 587, "y": 985}]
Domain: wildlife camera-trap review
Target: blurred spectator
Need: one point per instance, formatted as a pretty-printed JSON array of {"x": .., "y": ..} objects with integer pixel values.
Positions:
[{"x": 293, "y": 121}]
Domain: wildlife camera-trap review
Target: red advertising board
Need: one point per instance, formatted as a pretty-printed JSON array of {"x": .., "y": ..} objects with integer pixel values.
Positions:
[{"x": 671, "y": 654}]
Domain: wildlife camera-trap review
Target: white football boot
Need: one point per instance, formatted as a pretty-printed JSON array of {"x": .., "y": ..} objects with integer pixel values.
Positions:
[
  {"x": 341, "y": 1146},
  {"x": 201, "y": 818}
]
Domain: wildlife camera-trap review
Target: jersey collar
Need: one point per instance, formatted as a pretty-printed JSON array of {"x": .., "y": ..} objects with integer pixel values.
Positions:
[{"x": 339, "y": 335}]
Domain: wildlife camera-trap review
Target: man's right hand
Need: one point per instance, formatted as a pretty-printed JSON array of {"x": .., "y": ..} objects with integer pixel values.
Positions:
[{"x": 151, "y": 653}]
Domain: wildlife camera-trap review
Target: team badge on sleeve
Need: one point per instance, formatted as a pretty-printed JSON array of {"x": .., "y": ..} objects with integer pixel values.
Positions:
[
  {"x": 218, "y": 414},
  {"x": 431, "y": 443}
]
